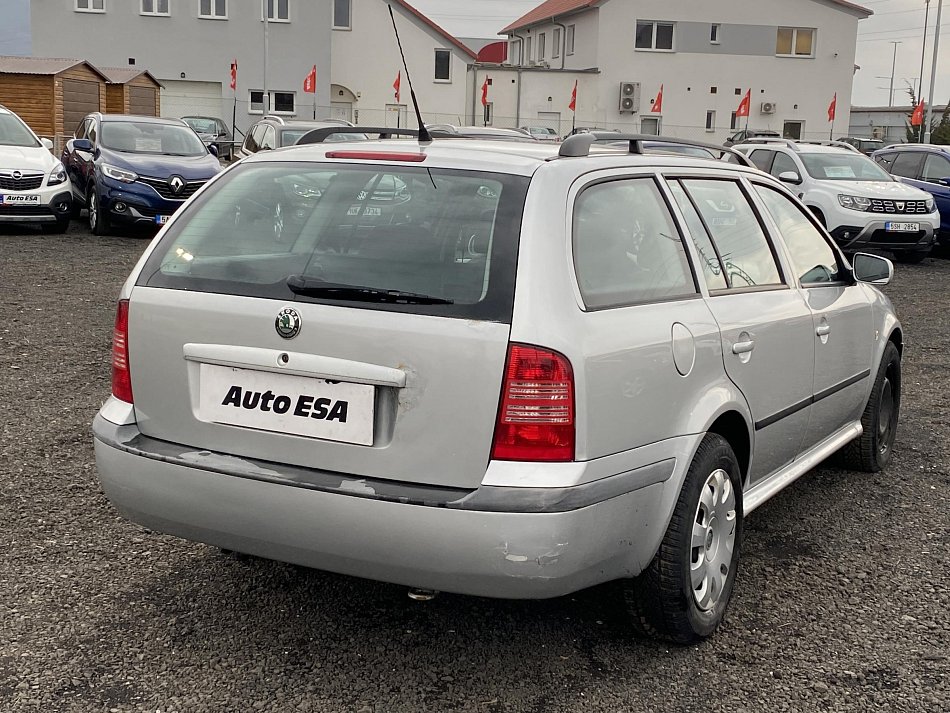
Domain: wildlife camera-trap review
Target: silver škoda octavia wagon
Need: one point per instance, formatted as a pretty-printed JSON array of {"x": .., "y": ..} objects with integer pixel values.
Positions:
[{"x": 498, "y": 369}]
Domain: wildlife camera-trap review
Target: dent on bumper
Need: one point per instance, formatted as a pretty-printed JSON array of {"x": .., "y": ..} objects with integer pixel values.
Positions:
[{"x": 443, "y": 547}]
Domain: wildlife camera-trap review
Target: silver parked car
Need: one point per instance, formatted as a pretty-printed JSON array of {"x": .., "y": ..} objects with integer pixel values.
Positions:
[{"x": 499, "y": 369}]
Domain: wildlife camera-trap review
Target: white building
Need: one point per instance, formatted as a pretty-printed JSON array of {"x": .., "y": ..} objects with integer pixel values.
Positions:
[
  {"x": 365, "y": 63},
  {"x": 794, "y": 56},
  {"x": 888, "y": 123}
]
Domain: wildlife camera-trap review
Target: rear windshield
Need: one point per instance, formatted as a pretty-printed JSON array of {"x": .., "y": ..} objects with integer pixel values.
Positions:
[{"x": 398, "y": 238}]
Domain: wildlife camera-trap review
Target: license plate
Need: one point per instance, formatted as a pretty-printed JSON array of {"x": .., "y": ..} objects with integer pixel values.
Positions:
[
  {"x": 285, "y": 403},
  {"x": 19, "y": 199},
  {"x": 161, "y": 219},
  {"x": 902, "y": 227}
]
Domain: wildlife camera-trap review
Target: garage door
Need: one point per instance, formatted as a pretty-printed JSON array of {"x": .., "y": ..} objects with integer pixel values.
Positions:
[
  {"x": 185, "y": 98},
  {"x": 79, "y": 98},
  {"x": 143, "y": 100}
]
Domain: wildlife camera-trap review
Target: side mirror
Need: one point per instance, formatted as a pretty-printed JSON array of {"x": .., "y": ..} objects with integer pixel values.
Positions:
[
  {"x": 873, "y": 269},
  {"x": 47, "y": 144},
  {"x": 213, "y": 150},
  {"x": 82, "y": 145},
  {"x": 790, "y": 177}
]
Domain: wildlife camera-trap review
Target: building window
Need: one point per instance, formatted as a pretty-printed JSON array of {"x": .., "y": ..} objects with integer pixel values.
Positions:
[
  {"x": 710, "y": 120},
  {"x": 90, "y": 5},
  {"x": 443, "y": 65},
  {"x": 284, "y": 102},
  {"x": 654, "y": 36},
  {"x": 650, "y": 125},
  {"x": 556, "y": 48},
  {"x": 154, "y": 7},
  {"x": 570, "y": 40},
  {"x": 528, "y": 54},
  {"x": 793, "y": 130},
  {"x": 213, "y": 9},
  {"x": 795, "y": 42},
  {"x": 256, "y": 102},
  {"x": 341, "y": 15},
  {"x": 714, "y": 34},
  {"x": 277, "y": 10},
  {"x": 514, "y": 52},
  {"x": 542, "y": 39},
  {"x": 733, "y": 121},
  {"x": 714, "y": 90}
]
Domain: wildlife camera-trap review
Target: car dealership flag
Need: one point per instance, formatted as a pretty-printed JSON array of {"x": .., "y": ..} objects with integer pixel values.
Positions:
[
  {"x": 485, "y": 92},
  {"x": 573, "y": 105},
  {"x": 833, "y": 107},
  {"x": 917, "y": 118},
  {"x": 745, "y": 105},
  {"x": 657, "y": 107},
  {"x": 234, "y": 74},
  {"x": 397, "y": 84},
  {"x": 310, "y": 83}
]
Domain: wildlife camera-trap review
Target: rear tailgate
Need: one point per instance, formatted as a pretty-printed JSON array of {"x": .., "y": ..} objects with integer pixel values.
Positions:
[{"x": 399, "y": 379}]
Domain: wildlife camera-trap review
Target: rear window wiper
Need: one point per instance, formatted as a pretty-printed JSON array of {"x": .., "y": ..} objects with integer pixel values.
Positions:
[{"x": 310, "y": 287}]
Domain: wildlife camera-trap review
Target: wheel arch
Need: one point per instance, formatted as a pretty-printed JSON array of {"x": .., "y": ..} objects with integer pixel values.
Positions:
[{"x": 733, "y": 426}]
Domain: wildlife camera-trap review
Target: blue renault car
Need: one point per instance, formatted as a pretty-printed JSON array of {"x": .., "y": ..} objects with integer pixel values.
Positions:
[
  {"x": 924, "y": 166},
  {"x": 135, "y": 170}
]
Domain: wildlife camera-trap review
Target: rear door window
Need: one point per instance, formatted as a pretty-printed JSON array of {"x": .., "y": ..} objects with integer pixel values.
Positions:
[
  {"x": 907, "y": 164},
  {"x": 886, "y": 161},
  {"x": 710, "y": 264},
  {"x": 935, "y": 168},
  {"x": 398, "y": 238},
  {"x": 735, "y": 229},
  {"x": 762, "y": 158},
  {"x": 627, "y": 249}
]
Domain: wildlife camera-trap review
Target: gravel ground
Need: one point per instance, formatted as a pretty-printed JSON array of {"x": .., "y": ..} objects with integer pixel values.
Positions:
[{"x": 842, "y": 602}]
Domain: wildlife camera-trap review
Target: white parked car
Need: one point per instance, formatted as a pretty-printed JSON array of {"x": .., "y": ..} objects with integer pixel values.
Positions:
[
  {"x": 860, "y": 204},
  {"x": 34, "y": 187}
]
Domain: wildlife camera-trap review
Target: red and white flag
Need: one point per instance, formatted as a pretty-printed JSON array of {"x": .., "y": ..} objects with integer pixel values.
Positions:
[
  {"x": 573, "y": 105},
  {"x": 657, "y": 107},
  {"x": 485, "y": 92},
  {"x": 397, "y": 84},
  {"x": 917, "y": 119},
  {"x": 234, "y": 74},
  {"x": 745, "y": 105},
  {"x": 310, "y": 83},
  {"x": 833, "y": 107}
]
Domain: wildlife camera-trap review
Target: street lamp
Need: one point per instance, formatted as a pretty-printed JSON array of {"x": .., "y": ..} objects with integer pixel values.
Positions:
[{"x": 933, "y": 74}]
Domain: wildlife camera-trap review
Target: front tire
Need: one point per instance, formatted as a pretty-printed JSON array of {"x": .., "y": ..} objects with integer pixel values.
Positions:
[
  {"x": 873, "y": 450},
  {"x": 98, "y": 221},
  {"x": 684, "y": 592}
]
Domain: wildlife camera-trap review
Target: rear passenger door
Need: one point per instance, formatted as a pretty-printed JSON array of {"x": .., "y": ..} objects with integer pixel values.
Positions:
[
  {"x": 937, "y": 169},
  {"x": 766, "y": 328},
  {"x": 841, "y": 315}
]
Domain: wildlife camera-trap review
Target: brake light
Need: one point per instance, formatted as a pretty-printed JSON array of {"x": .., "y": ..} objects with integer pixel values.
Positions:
[
  {"x": 378, "y": 156},
  {"x": 121, "y": 380},
  {"x": 536, "y": 414}
]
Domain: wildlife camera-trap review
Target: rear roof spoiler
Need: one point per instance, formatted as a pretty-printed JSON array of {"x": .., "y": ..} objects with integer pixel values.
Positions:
[{"x": 318, "y": 136}]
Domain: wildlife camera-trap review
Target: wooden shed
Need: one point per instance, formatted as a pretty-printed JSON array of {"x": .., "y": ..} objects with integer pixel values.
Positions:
[
  {"x": 51, "y": 95},
  {"x": 132, "y": 91}
]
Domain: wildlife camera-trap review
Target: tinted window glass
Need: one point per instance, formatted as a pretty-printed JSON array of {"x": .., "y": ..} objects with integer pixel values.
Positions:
[
  {"x": 907, "y": 164},
  {"x": 783, "y": 164},
  {"x": 813, "y": 259},
  {"x": 92, "y": 130},
  {"x": 762, "y": 159},
  {"x": 936, "y": 167},
  {"x": 626, "y": 247},
  {"x": 886, "y": 161},
  {"x": 709, "y": 261},
  {"x": 735, "y": 229},
  {"x": 352, "y": 234},
  {"x": 81, "y": 129}
]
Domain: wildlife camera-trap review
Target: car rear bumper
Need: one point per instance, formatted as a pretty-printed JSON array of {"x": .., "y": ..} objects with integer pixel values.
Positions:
[
  {"x": 351, "y": 530},
  {"x": 876, "y": 235}
]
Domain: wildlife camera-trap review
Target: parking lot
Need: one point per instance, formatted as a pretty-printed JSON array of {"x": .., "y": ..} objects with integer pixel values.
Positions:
[{"x": 842, "y": 602}]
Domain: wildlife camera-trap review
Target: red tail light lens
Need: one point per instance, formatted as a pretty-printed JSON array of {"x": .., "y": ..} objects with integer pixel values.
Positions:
[
  {"x": 536, "y": 415},
  {"x": 121, "y": 380}
]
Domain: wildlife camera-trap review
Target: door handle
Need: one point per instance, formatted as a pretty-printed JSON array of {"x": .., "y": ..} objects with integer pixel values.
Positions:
[
  {"x": 823, "y": 330},
  {"x": 743, "y": 347}
]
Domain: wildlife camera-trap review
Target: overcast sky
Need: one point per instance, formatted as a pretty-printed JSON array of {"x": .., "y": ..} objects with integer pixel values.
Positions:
[{"x": 894, "y": 21}]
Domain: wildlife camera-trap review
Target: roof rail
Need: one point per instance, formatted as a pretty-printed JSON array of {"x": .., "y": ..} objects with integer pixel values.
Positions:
[
  {"x": 317, "y": 136},
  {"x": 274, "y": 117},
  {"x": 837, "y": 144},
  {"x": 579, "y": 145},
  {"x": 790, "y": 143}
]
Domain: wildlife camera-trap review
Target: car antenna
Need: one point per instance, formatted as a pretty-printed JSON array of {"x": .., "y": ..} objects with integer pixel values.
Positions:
[{"x": 424, "y": 136}]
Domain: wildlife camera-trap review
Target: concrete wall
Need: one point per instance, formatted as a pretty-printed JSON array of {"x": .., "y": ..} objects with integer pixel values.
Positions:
[{"x": 201, "y": 49}]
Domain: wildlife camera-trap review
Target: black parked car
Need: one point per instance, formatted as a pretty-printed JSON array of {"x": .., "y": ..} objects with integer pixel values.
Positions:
[{"x": 214, "y": 132}]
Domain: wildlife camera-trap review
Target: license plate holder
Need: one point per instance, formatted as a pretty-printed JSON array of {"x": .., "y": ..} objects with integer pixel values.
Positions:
[
  {"x": 19, "y": 199},
  {"x": 161, "y": 219},
  {"x": 287, "y": 403},
  {"x": 892, "y": 227}
]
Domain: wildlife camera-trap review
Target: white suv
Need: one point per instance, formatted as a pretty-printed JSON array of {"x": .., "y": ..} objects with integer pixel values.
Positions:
[
  {"x": 860, "y": 204},
  {"x": 34, "y": 187}
]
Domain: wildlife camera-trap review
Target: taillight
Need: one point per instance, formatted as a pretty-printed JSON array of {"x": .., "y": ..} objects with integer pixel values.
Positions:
[
  {"x": 536, "y": 415},
  {"x": 121, "y": 381}
]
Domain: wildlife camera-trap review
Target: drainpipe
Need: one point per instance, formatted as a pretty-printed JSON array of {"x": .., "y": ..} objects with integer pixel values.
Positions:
[
  {"x": 563, "y": 48},
  {"x": 474, "y": 68},
  {"x": 520, "y": 65}
]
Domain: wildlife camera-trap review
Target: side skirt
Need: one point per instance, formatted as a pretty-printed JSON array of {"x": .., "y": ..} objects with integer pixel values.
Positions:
[{"x": 781, "y": 479}]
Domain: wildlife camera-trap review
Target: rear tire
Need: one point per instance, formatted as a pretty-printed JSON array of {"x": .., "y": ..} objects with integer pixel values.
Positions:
[
  {"x": 684, "y": 592},
  {"x": 872, "y": 452}
]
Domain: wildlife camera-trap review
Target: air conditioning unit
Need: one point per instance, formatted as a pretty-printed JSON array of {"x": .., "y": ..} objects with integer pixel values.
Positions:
[
  {"x": 768, "y": 107},
  {"x": 629, "y": 97}
]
